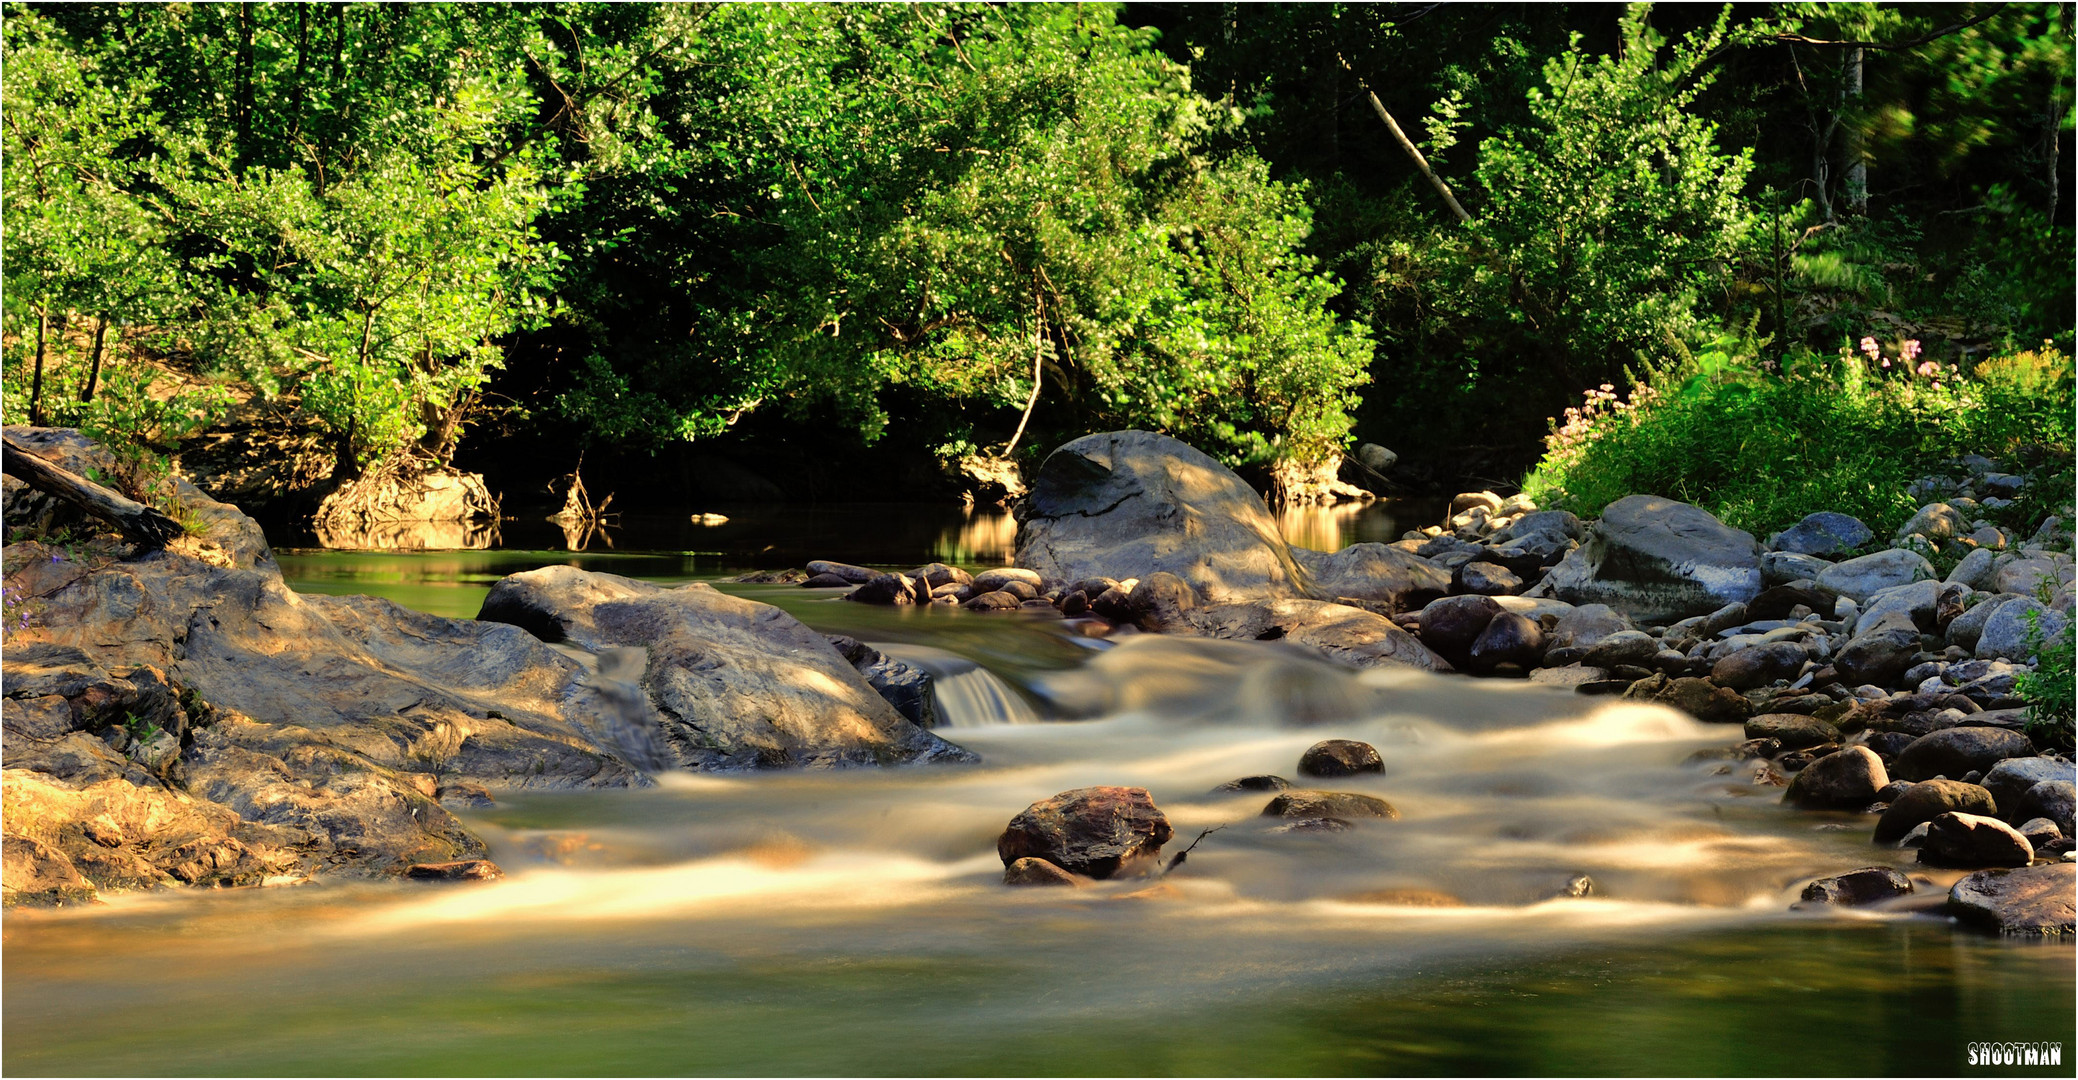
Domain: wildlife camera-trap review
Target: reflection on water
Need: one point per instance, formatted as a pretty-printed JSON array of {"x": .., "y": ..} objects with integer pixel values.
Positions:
[
  {"x": 1332, "y": 528},
  {"x": 410, "y": 536},
  {"x": 895, "y": 535}
]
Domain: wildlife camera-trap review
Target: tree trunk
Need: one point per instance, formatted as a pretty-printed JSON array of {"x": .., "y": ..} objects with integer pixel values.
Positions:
[
  {"x": 142, "y": 524},
  {"x": 1420, "y": 162},
  {"x": 36, "y": 382},
  {"x": 1856, "y": 182},
  {"x": 242, "y": 107},
  {"x": 94, "y": 370},
  {"x": 2054, "y": 117}
]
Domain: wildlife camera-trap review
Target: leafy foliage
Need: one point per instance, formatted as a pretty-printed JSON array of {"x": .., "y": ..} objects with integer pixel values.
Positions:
[{"x": 1760, "y": 449}]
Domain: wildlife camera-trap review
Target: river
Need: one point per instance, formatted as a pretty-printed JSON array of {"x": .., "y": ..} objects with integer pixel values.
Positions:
[{"x": 855, "y": 922}]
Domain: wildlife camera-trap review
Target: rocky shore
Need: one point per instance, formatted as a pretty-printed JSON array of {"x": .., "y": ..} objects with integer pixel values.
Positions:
[
  {"x": 1853, "y": 675},
  {"x": 181, "y": 717}
]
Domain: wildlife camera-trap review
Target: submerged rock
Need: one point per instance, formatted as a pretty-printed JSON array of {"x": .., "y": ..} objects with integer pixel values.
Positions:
[
  {"x": 1099, "y": 832},
  {"x": 1340, "y": 757},
  {"x": 1033, "y": 871},
  {"x": 1329, "y": 804},
  {"x": 1856, "y": 888}
]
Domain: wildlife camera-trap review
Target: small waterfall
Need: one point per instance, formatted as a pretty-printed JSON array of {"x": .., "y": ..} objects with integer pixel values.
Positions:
[{"x": 965, "y": 694}]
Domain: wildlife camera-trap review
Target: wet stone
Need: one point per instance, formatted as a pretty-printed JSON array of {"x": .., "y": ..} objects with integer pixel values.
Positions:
[
  {"x": 1031, "y": 871},
  {"x": 1337, "y": 804},
  {"x": 1858, "y": 887},
  {"x": 1974, "y": 840},
  {"x": 1926, "y": 801},
  {"x": 1340, "y": 757},
  {"x": 1795, "y": 732},
  {"x": 458, "y": 870},
  {"x": 2033, "y": 901},
  {"x": 1095, "y": 831},
  {"x": 1265, "y": 782}
]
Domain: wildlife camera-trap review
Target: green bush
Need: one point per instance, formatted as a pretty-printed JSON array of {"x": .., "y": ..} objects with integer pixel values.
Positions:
[
  {"x": 2049, "y": 688},
  {"x": 1845, "y": 433}
]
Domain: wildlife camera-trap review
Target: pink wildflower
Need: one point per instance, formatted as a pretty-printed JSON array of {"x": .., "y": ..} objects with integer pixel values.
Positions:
[{"x": 1871, "y": 349}]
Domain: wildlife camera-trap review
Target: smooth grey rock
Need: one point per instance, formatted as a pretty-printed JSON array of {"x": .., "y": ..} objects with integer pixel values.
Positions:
[
  {"x": 1878, "y": 657},
  {"x": 1376, "y": 458},
  {"x": 1555, "y": 524},
  {"x": 1342, "y": 633},
  {"x": 856, "y": 575},
  {"x": 729, "y": 682},
  {"x": 1452, "y": 624},
  {"x": 1658, "y": 560},
  {"x": 1488, "y": 579},
  {"x": 1975, "y": 570},
  {"x": 2028, "y": 577},
  {"x": 1968, "y": 627},
  {"x": 1129, "y": 503},
  {"x": 1374, "y": 572},
  {"x": 1585, "y": 626},
  {"x": 1958, "y": 750},
  {"x": 1859, "y": 579},
  {"x": 1915, "y": 601},
  {"x": 2007, "y": 632},
  {"x": 1509, "y": 638},
  {"x": 2052, "y": 799},
  {"x": 1936, "y": 521},
  {"x": 2011, "y": 778},
  {"x": 1822, "y": 533},
  {"x": 1783, "y": 567},
  {"x": 1750, "y": 669},
  {"x": 1633, "y": 647}
]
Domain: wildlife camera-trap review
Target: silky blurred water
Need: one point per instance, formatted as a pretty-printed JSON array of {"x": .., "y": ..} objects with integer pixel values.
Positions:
[{"x": 855, "y": 923}]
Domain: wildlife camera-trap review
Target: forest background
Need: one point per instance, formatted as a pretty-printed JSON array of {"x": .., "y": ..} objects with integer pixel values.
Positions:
[{"x": 1789, "y": 252}]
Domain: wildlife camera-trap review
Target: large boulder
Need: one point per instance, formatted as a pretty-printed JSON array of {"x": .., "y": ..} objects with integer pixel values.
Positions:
[
  {"x": 2031, "y": 901},
  {"x": 728, "y": 682},
  {"x": 2011, "y": 633},
  {"x": 294, "y": 733},
  {"x": 1954, "y": 752},
  {"x": 1822, "y": 533},
  {"x": 1859, "y": 579},
  {"x": 1097, "y": 832},
  {"x": 1374, "y": 572},
  {"x": 1655, "y": 559},
  {"x": 317, "y": 731},
  {"x": 1125, "y": 504},
  {"x": 2012, "y": 777}
]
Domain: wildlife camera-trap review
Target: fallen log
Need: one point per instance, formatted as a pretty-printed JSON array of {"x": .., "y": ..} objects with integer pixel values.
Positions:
[{"x": 140, "y": 523}]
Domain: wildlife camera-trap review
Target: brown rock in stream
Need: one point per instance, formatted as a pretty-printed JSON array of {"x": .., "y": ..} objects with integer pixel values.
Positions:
[{"x": 1098, "y": 832}]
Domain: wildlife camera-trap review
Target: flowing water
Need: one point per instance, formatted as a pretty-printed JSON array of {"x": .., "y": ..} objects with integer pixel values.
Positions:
[{"x": 855, "y": 922}]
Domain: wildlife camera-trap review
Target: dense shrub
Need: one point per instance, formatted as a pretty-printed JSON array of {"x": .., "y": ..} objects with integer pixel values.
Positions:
[{"x": 1848, "y": 433}]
